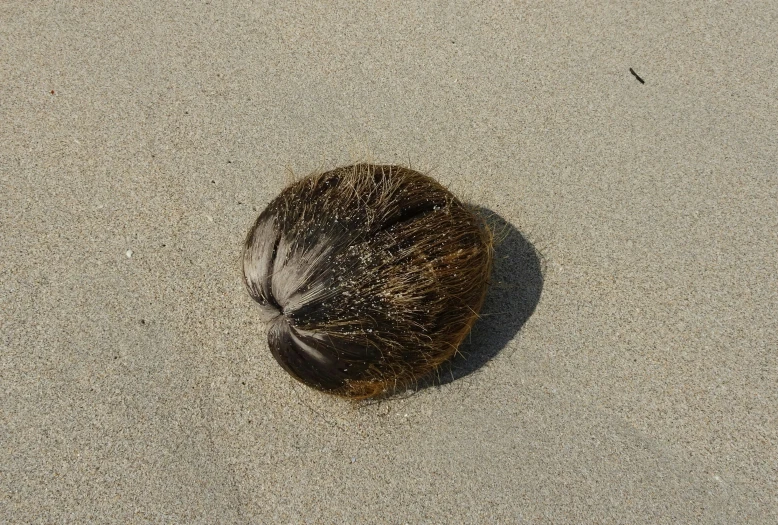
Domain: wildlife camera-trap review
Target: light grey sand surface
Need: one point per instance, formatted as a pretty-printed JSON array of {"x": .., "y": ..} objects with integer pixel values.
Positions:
[{"x": 138, "y": 143}]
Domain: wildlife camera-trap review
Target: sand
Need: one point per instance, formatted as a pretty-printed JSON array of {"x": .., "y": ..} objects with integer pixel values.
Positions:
[{"x": 627, "y": 374}]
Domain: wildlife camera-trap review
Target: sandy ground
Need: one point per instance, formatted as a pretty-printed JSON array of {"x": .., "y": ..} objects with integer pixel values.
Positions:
[{"x": 627, "y": 375}]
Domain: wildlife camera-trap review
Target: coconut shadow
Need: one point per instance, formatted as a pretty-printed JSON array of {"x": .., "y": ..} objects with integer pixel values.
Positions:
[{"x": 515, "y": 287}]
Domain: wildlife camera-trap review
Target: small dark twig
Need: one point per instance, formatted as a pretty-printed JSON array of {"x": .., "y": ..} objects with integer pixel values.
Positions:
[{"x": 636, "y": 76}]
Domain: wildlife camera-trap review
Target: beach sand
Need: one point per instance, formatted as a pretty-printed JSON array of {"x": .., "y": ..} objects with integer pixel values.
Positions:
[{"x": 626, "y": 374}]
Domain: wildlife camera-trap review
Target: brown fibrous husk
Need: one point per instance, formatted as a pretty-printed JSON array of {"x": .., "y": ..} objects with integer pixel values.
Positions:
[{"x": 369, "y": 276}]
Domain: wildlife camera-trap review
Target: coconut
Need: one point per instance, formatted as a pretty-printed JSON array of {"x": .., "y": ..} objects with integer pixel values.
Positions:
[{"x": 369, "y": 277}]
